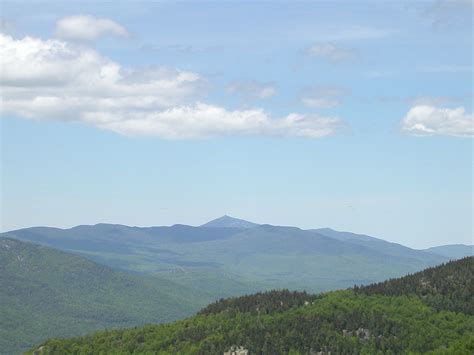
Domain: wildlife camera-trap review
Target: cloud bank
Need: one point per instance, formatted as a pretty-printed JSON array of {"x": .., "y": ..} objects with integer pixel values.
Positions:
[
  {"x": 58, "y": 80},
  {"x": 425, "y": 120}
]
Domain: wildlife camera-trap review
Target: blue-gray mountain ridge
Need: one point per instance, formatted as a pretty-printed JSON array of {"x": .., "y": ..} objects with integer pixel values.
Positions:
[{"x": 245, "y": 254}]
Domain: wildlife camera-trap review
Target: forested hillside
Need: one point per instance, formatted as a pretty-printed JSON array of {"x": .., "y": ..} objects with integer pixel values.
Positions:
[
  {"x": 46, "y": 293},
  {"x": 447, "y": 287},
  {"x": 387, "y": 318}
]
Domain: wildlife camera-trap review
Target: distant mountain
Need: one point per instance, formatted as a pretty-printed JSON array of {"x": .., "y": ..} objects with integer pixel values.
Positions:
[
  {"x": 229, "y": 222},
  {"x": 224, "y": 261},
  {"x": 452, "y": 251},
  {"x": 295, "y": 258},
  {"x": 49, "y": 293},
  {"x": 346, "y": 236},
  {"x": 428, "y": 312},
  {"x": 379, "y": 245}
]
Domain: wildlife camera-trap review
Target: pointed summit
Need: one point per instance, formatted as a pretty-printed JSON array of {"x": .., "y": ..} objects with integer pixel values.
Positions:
[{"x": 229, "y": 222}]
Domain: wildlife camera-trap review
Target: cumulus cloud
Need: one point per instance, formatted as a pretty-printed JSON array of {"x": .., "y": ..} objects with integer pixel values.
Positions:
[
  {"x": 330, "y": 52},
  {"x": 424, "y": 120},
  {"x": 85, "y": 27},
  {"x": 252, "y": 89},
  {"x": 322, "y": 97},
  {"x": 40, "y": 71},
  {"x": 202, "y": 121},
  {"x": 57, "y": 80}
]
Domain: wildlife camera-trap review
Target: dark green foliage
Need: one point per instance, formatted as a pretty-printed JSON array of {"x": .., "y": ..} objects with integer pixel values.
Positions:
[
  {"x": 260, "y": 303},
  {"x": 446, "y": 287},
  {"x": 46, "y": 293},
  {"x": 342, "y": 322}
]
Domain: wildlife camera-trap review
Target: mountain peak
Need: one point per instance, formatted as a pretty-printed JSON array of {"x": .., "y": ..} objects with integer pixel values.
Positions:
[{"x": 229, "y": 222}]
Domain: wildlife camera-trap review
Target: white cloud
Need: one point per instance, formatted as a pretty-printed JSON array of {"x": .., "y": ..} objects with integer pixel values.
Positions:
[
  {"x": 57, "y": 80},
  {"x": 202, "y": 121},
  {"x": 37, "y": 71},
  {"x": 85, "y": 27},
  {"x": 425, "y": 120},
  {"x": 252, "y": 89},
  {"x": 330, "y": 52},
  {"x": 322, "y": 97}
]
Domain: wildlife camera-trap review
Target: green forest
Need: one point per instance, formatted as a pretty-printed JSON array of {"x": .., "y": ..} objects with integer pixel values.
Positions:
[
  {"x": 46, "y": 293},
  {"x": 429, "y": 312}
]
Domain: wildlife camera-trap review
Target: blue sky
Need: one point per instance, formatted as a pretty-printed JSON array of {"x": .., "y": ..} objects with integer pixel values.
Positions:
[{"x": 350, "y": 115}]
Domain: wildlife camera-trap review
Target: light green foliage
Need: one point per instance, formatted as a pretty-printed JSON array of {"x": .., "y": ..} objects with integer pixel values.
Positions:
[{"x": 360, "y": 320}]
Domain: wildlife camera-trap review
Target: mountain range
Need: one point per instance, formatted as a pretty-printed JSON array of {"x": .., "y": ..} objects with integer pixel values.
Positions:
[
  {"x": 92, "y": 277},
  {"x": 247, "y": 255}
]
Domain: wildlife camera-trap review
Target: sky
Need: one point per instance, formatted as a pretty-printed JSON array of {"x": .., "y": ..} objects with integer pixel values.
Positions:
[{"x": 345, "y": 114}]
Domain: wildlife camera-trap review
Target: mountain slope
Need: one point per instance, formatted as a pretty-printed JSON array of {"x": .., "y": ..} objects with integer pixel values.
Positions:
[
  {"x": 365, "y": 320},
  {"x": 453, "y": 251},
  {"x": 244, "y": 259},
  {"x": 229, "y": 222},
  {"x": 151, "y": 250},
  {"x": 46, "y": 292},
  {"x": 288, "y": 257},
  {"x": 379, "y": 245}
]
